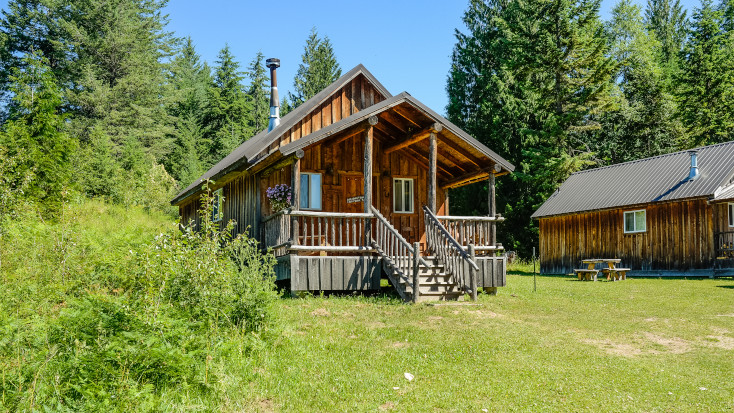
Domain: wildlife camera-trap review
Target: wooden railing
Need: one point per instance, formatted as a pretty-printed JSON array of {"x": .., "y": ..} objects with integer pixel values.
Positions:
[
  {"x": 315, "y": 231},
  {"x": 724, "y": 244},
  {"x": 457, "y": 262},
  {"x": 478, "y": 231},
  {"x": 398, "y": 254}
]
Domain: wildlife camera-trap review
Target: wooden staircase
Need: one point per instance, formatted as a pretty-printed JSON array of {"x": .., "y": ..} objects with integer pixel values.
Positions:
[{"x": 434, "y": 283}]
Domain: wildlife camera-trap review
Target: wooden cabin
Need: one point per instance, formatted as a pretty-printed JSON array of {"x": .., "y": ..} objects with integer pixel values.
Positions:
[
  {"x": 666, "y": 215},
  {"x": 371, "y": 175}
]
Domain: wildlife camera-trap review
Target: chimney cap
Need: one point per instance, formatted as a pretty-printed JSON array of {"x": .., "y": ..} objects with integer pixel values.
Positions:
[{"x": 272, "y": 62}]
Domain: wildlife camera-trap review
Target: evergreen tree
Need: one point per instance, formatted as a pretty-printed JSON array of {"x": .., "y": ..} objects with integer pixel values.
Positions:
[
  {"x": 229, "y": 111},
  {"x": 642, "y": 123},
  {"x": 667, "y": 20},
  {"x": 527, "y": 79},
  {"x": 707, "y": 81},
  {"x": 318, "y": 69},
  {"x": 189, "y": 81},
  {"x": 259, "y": 93},
  {"x": 36, "y": 129}
]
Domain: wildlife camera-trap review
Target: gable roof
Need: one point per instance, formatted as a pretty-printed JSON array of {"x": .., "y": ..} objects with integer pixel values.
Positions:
[
  {"x": 380, "y": 107},
  {"x": 656, "y": 179},
  {"x": 248, "y": 150}
]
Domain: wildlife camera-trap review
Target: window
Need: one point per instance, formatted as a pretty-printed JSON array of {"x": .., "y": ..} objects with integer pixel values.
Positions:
[
  {"x": 217, "y": 205},
  {"x": 635, "y": 221},
  {"x": 402, "y": 199},
  {"x": 731, "y": 214},
  {"x": 310, "y": 191}
]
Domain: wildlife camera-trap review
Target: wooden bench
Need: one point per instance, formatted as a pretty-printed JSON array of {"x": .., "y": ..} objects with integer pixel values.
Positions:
[
  {"x": 615, "y": 273},
  {"x": 586, "y": 274}
]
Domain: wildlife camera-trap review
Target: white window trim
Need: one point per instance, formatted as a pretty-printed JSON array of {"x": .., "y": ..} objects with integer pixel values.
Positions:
[
  {"x": 728, "y": 211},
  {"x": 307, "y": 175},
  {"x": 218, "y": 196},
  {"x": 412, "y": 197},
  {"x": 624, "y": 220}
]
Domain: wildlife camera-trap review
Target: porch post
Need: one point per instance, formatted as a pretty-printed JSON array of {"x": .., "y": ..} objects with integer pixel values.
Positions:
[
  {"x": 368, "y": 138},
  {"x": 492, "y": 210},
  {"x": 432, "y": 172}
]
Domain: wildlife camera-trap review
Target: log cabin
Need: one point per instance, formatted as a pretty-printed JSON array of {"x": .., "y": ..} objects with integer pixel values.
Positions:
[
  {"x": 669, "y": 215},
  {"x": 370, "y": 175}
]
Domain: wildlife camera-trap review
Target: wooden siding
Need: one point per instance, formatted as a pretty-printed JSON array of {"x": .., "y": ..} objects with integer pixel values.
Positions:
[
  {"x": 721, "y": 217},
  {"x": 240, "y": 205},
  {"x": 330, "y": 273},
  {"x": 350, "y": 99},
  {"x": 679, "y": 237},
  {"x": 491, "y": 271}
]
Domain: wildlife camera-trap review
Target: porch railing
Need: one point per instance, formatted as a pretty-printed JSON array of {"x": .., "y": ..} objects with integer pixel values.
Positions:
[
  {"x": 724, "y": 244},
  {"x": 478, "y": 231},
  {"x": 315, "y": 231},
  {"x": 456, "y": 260}
]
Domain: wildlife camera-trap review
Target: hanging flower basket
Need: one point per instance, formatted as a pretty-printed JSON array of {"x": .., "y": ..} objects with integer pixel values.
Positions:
[{"x": 280, "y": 197}]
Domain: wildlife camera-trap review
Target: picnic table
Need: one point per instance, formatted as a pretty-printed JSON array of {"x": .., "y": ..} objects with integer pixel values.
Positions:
[{"x": 611, "y": 271}]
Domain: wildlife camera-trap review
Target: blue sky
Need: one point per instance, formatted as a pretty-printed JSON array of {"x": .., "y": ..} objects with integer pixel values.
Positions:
[{"x": 406, "y": 44}]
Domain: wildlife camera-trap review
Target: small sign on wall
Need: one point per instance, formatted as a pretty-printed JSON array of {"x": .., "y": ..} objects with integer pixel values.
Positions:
[{"x": 355, "y": 199}]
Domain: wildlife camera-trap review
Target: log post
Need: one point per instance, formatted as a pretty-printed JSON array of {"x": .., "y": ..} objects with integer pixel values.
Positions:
[
  {"x": 416, "y": 271},
  {"x": 492, "y": 210},
  {"x": 472, "y": 273},
  {"x": 432, "y": 171},
  {"x": 368, "y": 141}
]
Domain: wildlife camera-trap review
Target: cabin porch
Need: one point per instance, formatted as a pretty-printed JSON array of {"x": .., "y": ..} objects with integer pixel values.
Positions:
[{"x": 336, "y": 251}]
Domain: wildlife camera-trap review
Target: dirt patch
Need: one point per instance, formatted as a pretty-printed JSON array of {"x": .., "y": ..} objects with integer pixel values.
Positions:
[
  {"x": 720, "y": 339},
  {"x": 376, "y": 324},
  {"x": 321, "y": 312},
  {"x": 352, "y": 336},
  {"x": 387, "y": 406},
  {"x": 434, "y": 318},
  {"x": 725, "y": 315},
  {"x": 674, "y": 345},
  {"x": 617, "y": 349},
  {"x": 400, "y": 344},
  {"x": 265, "y": 405},
  {"x": 480, "y": 313}
]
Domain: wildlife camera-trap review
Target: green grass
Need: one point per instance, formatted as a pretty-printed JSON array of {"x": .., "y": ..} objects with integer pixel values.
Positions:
[{"x": 636, "y": 345}]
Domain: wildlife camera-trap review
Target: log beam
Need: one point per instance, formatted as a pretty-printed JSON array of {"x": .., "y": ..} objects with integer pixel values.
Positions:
[
  {"x": 491, "y": 202},
  {"x": 432, "y": 172},
  {"x": 368, "y": 143},
  {"x": 415, "y": 138}
]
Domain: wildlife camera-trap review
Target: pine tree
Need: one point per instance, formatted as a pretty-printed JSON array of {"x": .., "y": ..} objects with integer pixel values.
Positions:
[
  {"x": 668, "y": 21},
  {"x": 259, "y": 93},
  {"x": 229, "y": 111},
  {"x": 707, "y": 80},
  {"x": 642, "y": 123},
  {"x": 527, "y": 80},
  {"x": 318, "y": 69},
  {"x": 189, "y": 81},
  {"x": 37, "y": 130}
]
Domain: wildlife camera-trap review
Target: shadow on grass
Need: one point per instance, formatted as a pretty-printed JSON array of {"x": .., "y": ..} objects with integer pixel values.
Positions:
[{"x": 731, "y": 287}]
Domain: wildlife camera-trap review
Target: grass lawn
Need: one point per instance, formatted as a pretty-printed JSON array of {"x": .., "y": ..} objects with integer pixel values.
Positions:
[{"x": 636, "y": 345}]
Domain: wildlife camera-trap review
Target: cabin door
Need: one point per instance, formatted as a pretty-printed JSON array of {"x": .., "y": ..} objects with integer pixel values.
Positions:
[{"x": 353, "y": 200}]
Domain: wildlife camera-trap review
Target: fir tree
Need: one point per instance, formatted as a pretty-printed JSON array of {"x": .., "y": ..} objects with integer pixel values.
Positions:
[
  {"x": 318, "y": 69},
  {"x": 259, "y": 93},
  {"x": 668, "y": 21},
  {"x": 229, "y": 112},
  {"x": 706, "y": 98}
]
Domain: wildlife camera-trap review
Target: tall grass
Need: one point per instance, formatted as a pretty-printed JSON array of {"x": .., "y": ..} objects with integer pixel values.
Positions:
[{"x": 113, "y": 309}]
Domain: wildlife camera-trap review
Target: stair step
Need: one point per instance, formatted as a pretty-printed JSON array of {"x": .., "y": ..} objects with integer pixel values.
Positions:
[{"x": 434, "y": 289}]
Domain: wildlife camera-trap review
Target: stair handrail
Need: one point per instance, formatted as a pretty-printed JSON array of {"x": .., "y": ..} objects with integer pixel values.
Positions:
[
  {"x": 397, "y": 235},
  {"x": 449, "y": 252}
]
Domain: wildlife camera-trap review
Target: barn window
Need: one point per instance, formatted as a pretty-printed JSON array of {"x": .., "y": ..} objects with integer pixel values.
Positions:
[
  {"x": 402, "y": 195},
  {"x": 731, "y": 214},
  {"x": 217, "y": 199},
  {"x": 635, "y": 221},
  {"x": 310, "y": 191}
]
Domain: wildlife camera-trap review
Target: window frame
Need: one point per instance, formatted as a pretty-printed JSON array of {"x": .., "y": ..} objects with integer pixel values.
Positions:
[
  {"x": 634, "y": 212},
  {"x": 731, "y": 216},
  {"x": 217, "y": 203},
  {"x": 412, "y": 197},
  {"x": 307, "y": 176}
]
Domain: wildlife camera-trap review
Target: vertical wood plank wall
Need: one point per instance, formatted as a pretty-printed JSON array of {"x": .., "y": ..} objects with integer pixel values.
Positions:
[{"x": 679, "y": 236}]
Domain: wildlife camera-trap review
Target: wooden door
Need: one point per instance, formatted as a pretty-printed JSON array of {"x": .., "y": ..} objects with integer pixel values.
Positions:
[{"x": 353, "y": 194}]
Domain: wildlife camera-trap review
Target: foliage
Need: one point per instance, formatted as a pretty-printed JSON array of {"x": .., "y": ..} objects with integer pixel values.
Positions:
[
  {"x": 259, "y": 93},
  {"x": 96, "y": 314},
  {"x": 317, "y": 70}
]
